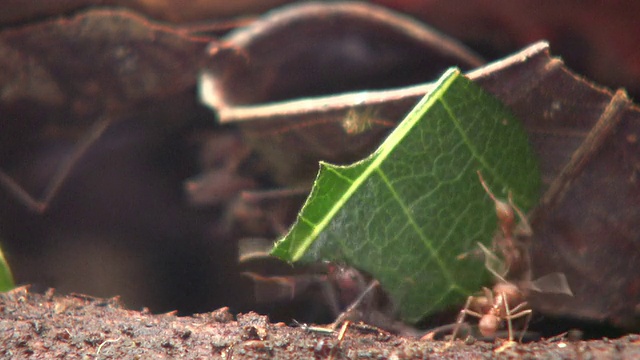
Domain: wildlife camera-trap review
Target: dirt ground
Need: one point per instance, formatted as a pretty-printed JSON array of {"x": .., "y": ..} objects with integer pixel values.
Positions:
[{"x": 78, "y": 326}]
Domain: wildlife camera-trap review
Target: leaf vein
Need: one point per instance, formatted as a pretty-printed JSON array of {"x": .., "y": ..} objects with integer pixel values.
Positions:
[
  {"x": 474, "y": 152},
  {"x": 427, "y": 242}
]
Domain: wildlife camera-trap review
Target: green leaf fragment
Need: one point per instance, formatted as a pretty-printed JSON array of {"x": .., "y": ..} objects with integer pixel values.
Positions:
[
  {"x": 6, "y": 278},
  {"x": 405, "y": 213}
]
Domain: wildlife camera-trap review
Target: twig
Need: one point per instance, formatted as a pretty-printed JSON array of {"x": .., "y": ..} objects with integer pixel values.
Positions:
[{"x": 104, "y": 343}]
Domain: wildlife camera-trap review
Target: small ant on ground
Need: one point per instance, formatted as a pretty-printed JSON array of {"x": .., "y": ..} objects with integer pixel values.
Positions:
[
  {"x": 348, "y": 294},
  {"x": 339, "y": 286},
  {"x": 506, "y": 301}
]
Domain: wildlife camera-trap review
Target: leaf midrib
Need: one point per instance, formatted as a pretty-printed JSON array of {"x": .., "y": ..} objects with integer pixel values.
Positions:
[{"x": 385, "y": 150}]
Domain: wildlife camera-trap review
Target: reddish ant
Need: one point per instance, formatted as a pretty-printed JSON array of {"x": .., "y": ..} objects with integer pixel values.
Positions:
[
  {"x": 505, "y": 302},
  {"x": 510, "y": 239},
  {"x": 349, "y": 294},
  {"x": 339, "y": 285}
]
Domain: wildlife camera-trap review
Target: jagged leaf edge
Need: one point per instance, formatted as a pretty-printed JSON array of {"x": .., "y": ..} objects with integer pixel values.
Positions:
[{"x": 289, "y": 248}]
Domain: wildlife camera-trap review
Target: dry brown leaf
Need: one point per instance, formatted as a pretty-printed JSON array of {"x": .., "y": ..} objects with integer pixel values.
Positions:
[
  {"x": 97, "y": 61},
  {"x": 319, "y": 48}
]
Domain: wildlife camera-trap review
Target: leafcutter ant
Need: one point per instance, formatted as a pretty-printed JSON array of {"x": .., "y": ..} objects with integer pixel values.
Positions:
[
  {"x": 348, "y": 294},
  {"x": 506, "y": 301},
  {"x": 338, "y": 285},
  {"x": 510, "y": 241}
]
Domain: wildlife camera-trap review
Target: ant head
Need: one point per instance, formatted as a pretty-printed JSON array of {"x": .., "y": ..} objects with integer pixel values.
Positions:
[
  {"x": 347, "y": 278},
  {"x": 505, "y": 213},
  {"x": 348, "y": 282},
  {"x": 488, "y": 325}
]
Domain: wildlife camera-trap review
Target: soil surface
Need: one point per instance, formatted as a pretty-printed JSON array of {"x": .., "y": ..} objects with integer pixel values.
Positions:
[{"x": 78, "y": 326}]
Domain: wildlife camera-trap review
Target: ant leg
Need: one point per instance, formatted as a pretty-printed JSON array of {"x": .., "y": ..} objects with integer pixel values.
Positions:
[
  {"x": 434, "y": 333},
  {"x": 524, "y": 228},
  {"x": 253, "y": 197},
  {"x": 508, "y": 317},
  {"x": 526, "y": 325},
  {"x": 348, "y": 313},
  {"x": 517, "y": 310},
  {"x": 253, "y": 249},
  {"x": 464, "y": 312},
  {"x": 40, "y": 206},
  {"x": 517, "y": 313},
  {"x": 330, "y": 297}
]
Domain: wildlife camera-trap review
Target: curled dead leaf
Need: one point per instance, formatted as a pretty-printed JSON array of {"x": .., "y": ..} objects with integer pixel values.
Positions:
[{"x": 311, "y": 49}]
